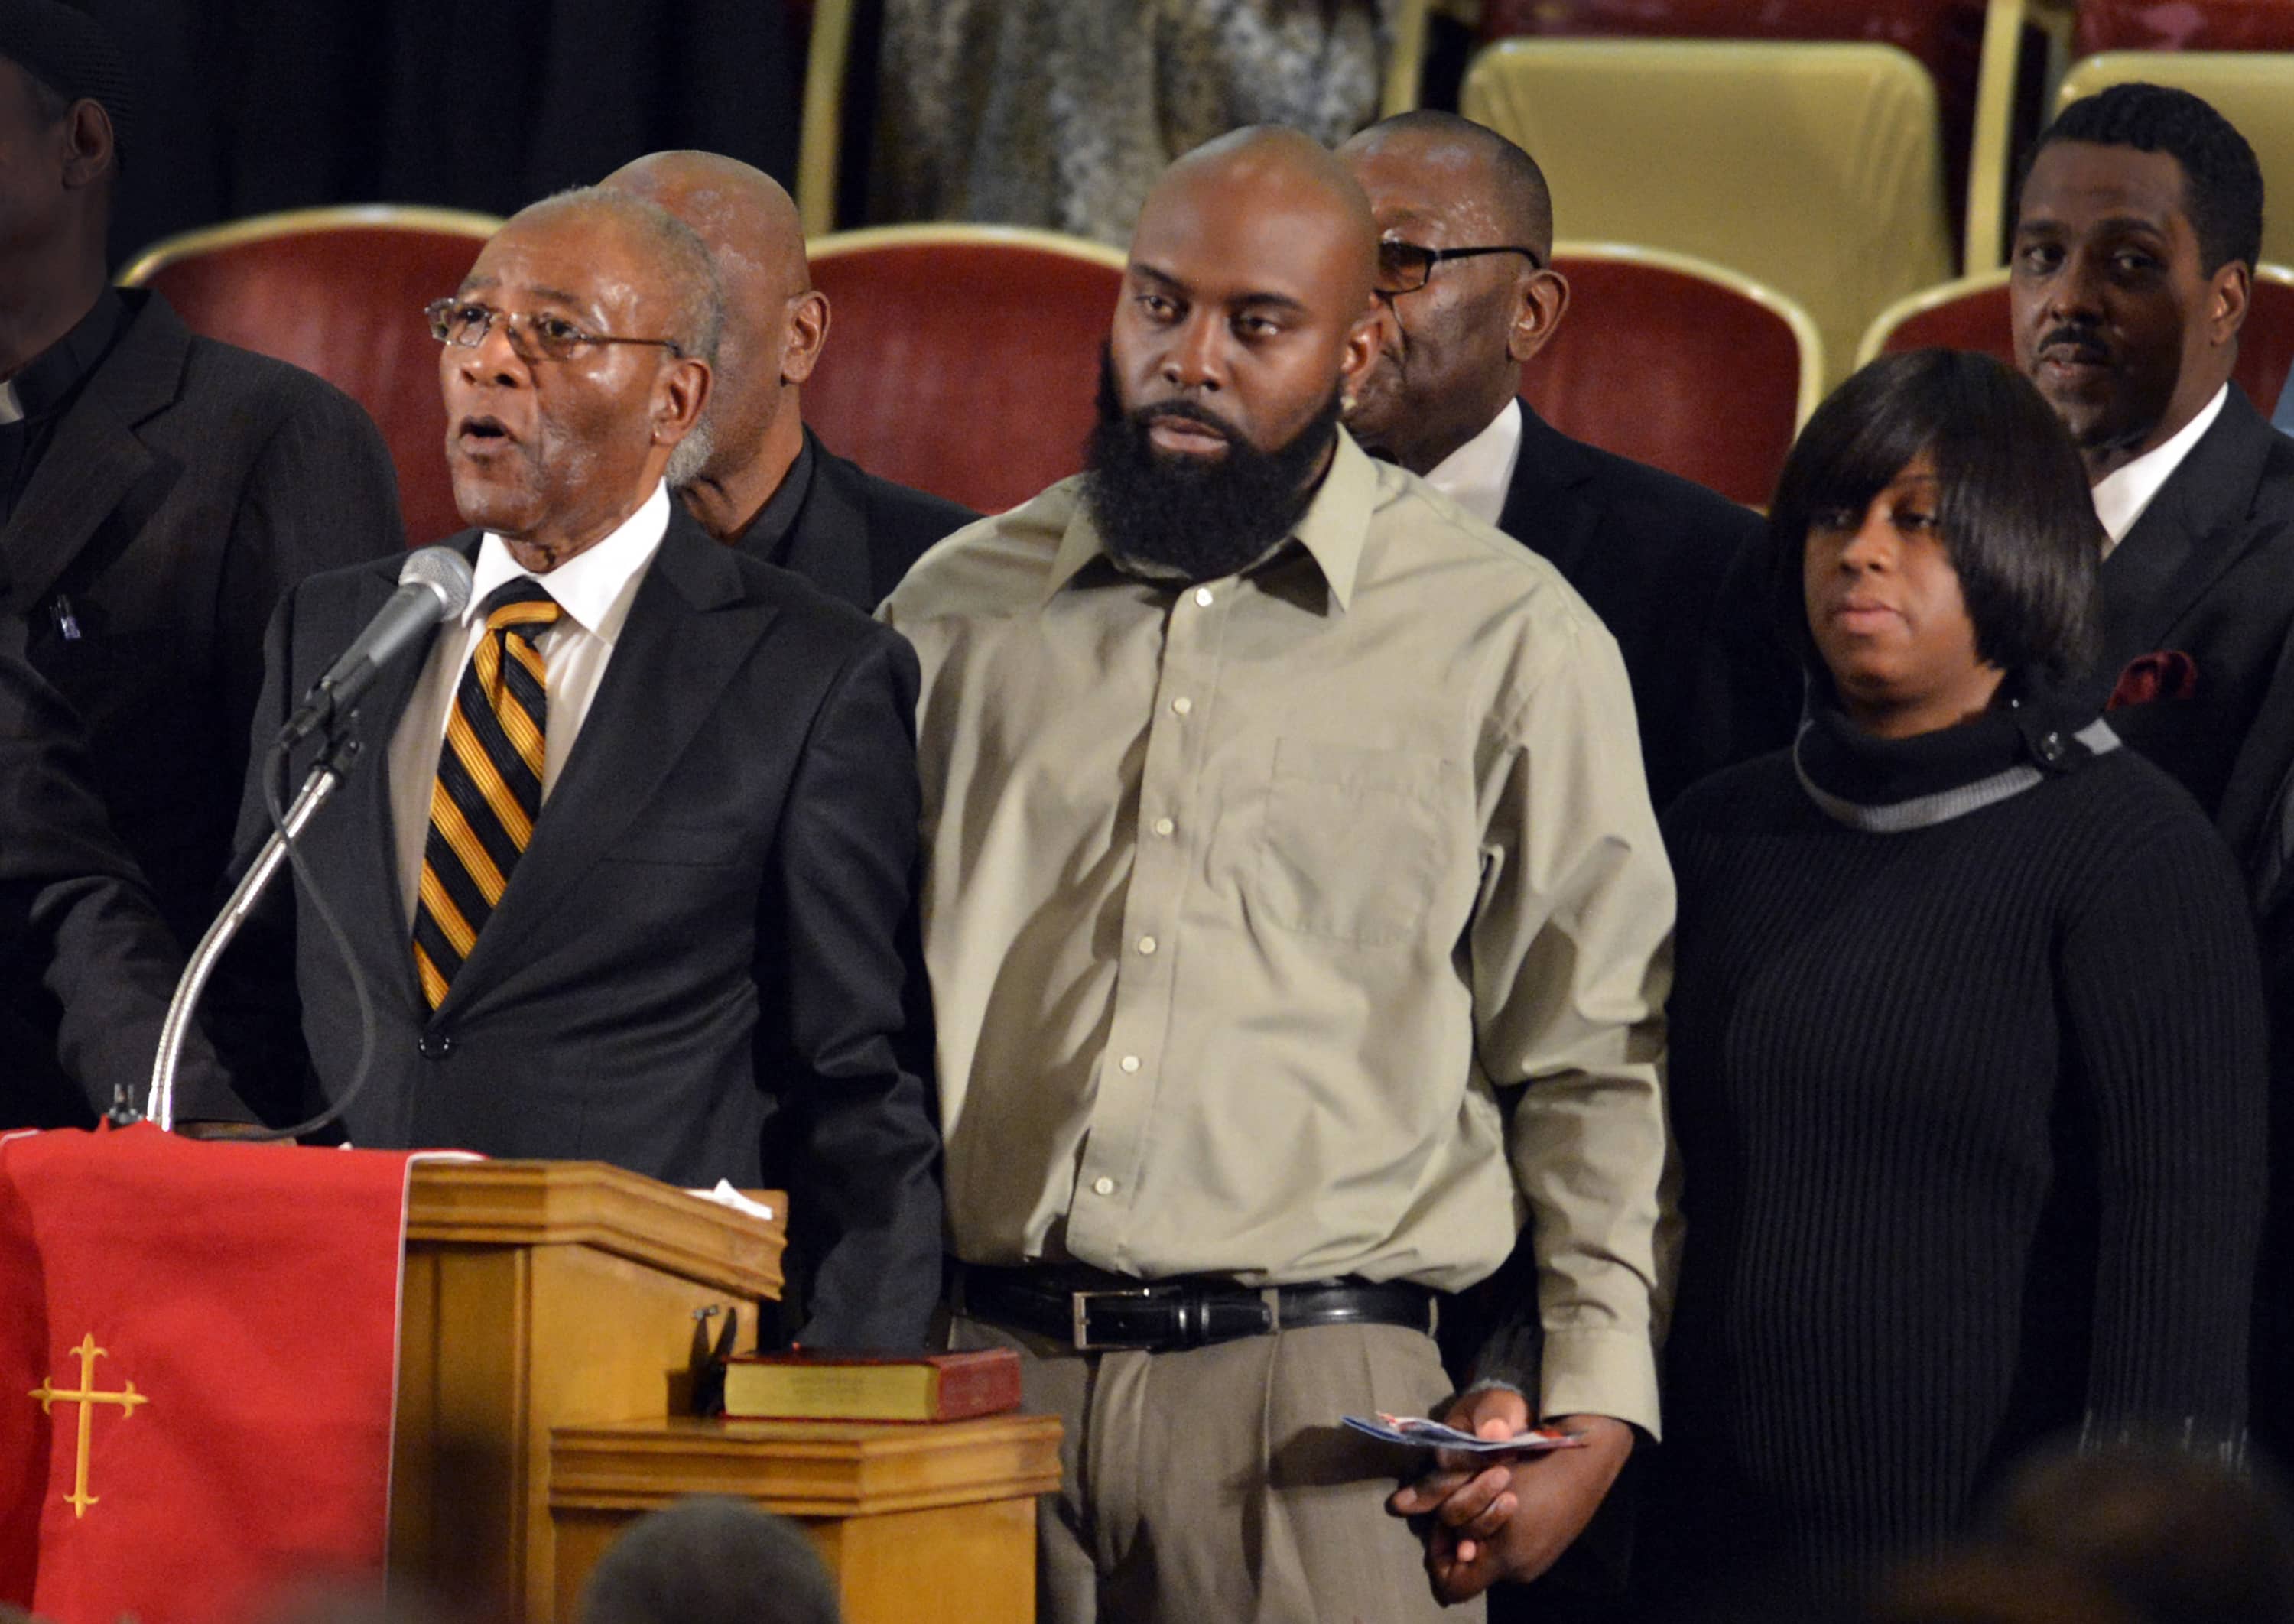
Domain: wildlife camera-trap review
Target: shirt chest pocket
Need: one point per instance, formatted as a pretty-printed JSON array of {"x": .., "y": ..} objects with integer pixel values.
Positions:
[{"x": 1358, "y": 842}]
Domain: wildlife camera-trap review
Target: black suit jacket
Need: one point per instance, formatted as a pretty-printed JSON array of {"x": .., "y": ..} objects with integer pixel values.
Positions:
[
  {"x": 188, "y": 484},
  {"x": 855, "y": 535},
  {"x": 1650, "y": 552},
  {"x": 2207, "y": 569},
  {"x": 2257, "y": 819},
  {"x": 82, "y": 953},
  {"x": 697, "y": 971}
]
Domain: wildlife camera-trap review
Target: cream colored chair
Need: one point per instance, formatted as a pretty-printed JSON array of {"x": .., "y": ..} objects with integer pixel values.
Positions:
[
  {"x": 2008, "y": 28},
  {"x": 1816, "y": 169},
  {"x": 2253, "y": 89}
]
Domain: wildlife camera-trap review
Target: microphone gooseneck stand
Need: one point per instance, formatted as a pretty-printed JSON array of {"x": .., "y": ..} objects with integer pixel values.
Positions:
[{"x": 326, "y": 773}]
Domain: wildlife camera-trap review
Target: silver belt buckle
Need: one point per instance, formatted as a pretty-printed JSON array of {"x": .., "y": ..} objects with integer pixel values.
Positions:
[{"x": 1079, "y": 1308}]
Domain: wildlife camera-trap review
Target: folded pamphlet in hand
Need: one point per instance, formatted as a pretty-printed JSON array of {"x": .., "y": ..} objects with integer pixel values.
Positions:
[{"x": 1419, "y": 1432}]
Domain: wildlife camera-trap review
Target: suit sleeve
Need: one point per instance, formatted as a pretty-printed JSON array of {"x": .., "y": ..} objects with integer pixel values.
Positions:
[
  {"x": 856, "y": 1121},
  {"x": 320, "y": 494},
  {"x": 78, "y": 905},
  {"x": 2167, "y": 1035}
]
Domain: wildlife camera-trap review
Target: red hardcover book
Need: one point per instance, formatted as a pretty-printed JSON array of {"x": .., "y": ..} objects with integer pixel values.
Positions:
[{"x": 825, "y": 1385}]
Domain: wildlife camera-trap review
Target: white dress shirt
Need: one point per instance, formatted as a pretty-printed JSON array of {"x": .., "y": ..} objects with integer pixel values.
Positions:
[
  {"x": 11, "y": 410},
  {"x": 1479, "y": 474},
  {"x": 594, "y": 589},
  {"x": 2121, "y": 496}
]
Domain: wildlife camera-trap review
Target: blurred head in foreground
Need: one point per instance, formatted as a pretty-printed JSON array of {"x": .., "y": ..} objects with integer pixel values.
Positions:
[{"x": 710, "y": 1560}]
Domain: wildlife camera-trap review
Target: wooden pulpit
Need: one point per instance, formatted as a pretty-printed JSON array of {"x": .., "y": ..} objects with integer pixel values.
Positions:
[
  {"x": 545, "y": 1345},
  {"x": 540, "y": 1295}
]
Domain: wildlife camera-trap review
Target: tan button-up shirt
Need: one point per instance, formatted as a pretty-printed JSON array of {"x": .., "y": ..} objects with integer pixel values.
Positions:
[{"x": 1307, "y": 923}]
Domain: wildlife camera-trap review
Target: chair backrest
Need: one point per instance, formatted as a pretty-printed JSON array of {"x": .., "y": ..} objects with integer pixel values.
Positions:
[
  {"x": 2186, "y": 25},
  {"x": 2253, "y": 89},
  {"x": 338, "y": 292},
  {"x": 962, "y": 360},
  {"x": 1972, "y": 314},
  {"x": 827, "y": 28},
  {"x": 1945, "y": 36},
  {"x": 1679, "y": 363},
  {"x": 1813, "y": 169}
]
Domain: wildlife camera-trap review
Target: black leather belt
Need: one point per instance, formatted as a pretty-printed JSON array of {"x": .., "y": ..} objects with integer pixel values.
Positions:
[{"x": 1095, "y": 1312}]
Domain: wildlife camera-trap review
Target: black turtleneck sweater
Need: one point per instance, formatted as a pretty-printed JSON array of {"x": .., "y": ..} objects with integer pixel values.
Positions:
[{"x": 1967, "y": 1071}]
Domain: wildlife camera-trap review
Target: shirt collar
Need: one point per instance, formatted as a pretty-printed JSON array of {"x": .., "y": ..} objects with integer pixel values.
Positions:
[
  {"x": 1479, "y": 474},
  {"x": 2121, "y": 496},
  {"x": 774, "y": 519},
  {"x": 45, "y": 382},
  {"x": 596, "y": 586},
  {"x": 1332, "y": 530}
]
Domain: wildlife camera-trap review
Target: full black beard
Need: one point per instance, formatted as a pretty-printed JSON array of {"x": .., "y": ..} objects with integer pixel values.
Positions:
[{"x": 1186, "y": 517}]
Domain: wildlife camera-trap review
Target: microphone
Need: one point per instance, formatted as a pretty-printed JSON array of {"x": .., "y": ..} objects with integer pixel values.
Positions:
[{"x": 433, "y": 586}]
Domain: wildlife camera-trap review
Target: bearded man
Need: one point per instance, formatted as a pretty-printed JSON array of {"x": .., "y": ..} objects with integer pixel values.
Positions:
[{"x": 1296, "y": 925}]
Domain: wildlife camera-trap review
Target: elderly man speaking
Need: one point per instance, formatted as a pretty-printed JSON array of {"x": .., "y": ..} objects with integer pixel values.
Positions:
[{"x": 626, "y": 868}]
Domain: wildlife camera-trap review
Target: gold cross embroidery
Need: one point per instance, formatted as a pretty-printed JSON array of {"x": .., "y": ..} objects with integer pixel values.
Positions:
[{"x": 88, "y": 1397}]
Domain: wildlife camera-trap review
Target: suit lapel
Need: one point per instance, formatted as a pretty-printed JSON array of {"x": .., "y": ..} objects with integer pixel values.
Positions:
[
  {"x": 95, "y": 459},
  {"x": 2185, "y": 539},
  {"x": 828, "y": 542},
  {"x": 374, "y": 861},
  {"x": 1545, "y": 509},
  {"x": 689, "y": 630}
]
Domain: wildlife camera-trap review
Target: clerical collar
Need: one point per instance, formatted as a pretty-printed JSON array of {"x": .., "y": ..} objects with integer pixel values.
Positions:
[
  {"x": 773, "y": 521},
  {"x": 2121, "y": 495},
  {"x": 1891, "y": 786},
  {"x": 45, "y": 383}
]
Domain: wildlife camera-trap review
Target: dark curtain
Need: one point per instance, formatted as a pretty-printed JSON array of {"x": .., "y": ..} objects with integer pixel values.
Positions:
[{"x": 248, "y": 106}]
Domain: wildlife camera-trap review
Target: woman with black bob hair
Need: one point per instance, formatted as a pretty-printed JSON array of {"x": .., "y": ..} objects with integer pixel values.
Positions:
[{"x": 1967, "y": 1032}]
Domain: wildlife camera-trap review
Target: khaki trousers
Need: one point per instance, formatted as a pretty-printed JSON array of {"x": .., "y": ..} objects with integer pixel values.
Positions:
[{"x": 1217, "y": 1483}]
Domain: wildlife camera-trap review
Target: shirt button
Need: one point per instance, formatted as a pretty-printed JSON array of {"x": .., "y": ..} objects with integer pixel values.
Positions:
[
  {"x": 1203, "y": 597},
  {"x": 1102, "y": 1187},
  {"x": 435, "y": 1046},
  {"x": 1130, "y": 1062},
  {"x": 1163, "y": 826},
  {"x": 1146, "y": 943},
  {"x": 1183, "y": 704}
]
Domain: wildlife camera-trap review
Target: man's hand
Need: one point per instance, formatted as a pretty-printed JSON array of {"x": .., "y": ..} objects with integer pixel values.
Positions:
[{"x": 1483, "y": 1523}]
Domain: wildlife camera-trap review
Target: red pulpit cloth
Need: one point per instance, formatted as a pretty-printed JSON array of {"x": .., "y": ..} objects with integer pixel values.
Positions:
[{"x": 233, "y": 1309}]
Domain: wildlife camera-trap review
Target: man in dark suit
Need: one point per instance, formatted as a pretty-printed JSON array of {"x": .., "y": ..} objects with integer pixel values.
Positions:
[
  {"x": 1470, "y": 294},
  {"x": 158, "y": 492},
  {"x": 626, "y": 872},
  {"x": 753, "y": 474},
  {"x": 2137, "y": 234},
  {"x": 81, "y": 942}
]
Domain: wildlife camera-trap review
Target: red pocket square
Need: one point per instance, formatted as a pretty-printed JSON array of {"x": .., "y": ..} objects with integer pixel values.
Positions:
[{"x": 2169, "y": 674}]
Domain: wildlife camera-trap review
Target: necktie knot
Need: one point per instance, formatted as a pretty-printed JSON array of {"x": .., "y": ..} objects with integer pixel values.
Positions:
[{"x": 522, "y": 605}]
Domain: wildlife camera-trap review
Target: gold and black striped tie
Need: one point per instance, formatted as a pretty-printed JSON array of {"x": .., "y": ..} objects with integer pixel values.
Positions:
[{"x": 488, "y": 791}]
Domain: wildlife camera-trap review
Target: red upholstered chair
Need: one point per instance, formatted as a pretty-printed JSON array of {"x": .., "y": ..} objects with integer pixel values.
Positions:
[
  {"x": 962, "y": 360},
  {"x": 338, "y": 292},
  {"x": 1678, "y": 362},
  {"x": 2183, "y": 25},
  {"x": 1972, "y": 314}
]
